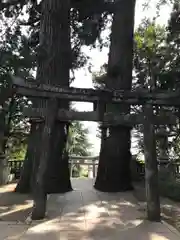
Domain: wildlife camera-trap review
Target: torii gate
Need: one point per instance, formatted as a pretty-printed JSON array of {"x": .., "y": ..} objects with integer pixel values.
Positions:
[
  {"x": 100, "y": 98},
  {"x": 50, "y": 112}
]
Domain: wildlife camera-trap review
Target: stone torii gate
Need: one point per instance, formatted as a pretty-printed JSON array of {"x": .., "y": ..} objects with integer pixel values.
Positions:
[
  {"x": 100, "y": 98},
  {"x": 90, "y": 162}
]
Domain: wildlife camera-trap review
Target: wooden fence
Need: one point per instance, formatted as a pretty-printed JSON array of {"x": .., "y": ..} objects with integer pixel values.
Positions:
[
  {"x": 15, "y": 167},
  {"x": 91, "y": 163},
  {"x": 74, "y": 161}
]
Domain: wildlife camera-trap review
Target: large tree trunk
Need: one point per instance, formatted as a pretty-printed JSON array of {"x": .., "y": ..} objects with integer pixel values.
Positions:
[
  {"x": 39, "y": 188},
  {"x": 59, "y": 49},
  {"x": 56, "y": 70},
  {"x": 24, "y": 184},
  {"x": 53, "y": 68},
  {"x": 58, "y": 176},
  {"x": 115, "y": 156},
  {"x": 102, "y": 164}
]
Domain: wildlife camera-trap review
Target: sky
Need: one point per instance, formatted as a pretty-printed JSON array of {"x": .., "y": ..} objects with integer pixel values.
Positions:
[{"x": 83, "y": 79}]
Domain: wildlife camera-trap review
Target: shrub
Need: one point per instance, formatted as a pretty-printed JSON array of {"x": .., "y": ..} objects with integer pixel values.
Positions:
[{"x": 169, "y": 186}]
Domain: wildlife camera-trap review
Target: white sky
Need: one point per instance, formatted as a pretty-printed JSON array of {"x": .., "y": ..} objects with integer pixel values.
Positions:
[{"x": 83, "y": 78}]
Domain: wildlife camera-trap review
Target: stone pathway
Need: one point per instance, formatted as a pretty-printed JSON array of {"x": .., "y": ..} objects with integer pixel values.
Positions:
[{"x": 86, "y": 214}]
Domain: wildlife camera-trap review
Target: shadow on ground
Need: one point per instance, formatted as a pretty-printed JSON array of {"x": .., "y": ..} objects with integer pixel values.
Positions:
[
  {"x": 170, "y": 210},
  {"x": 86, "y": 214},
  {"x": 14, "y": 206}
]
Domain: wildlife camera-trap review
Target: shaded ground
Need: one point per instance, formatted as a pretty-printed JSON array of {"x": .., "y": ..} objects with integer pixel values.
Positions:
[
  {"x": 14, "y": 206},
  {"x": 86, "y": 214},
  {"x": 170, "y": 210}
]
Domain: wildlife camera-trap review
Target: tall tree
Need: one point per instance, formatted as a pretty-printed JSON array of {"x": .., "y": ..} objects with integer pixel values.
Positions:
[
  {"x": 78, "y": 143},
  {"x": 85, "y": 29},
  {"x": 15, "y": 57},
  {"x": 53, "y": 68},
  {"x": 114, "y": 163},
  {"x": 157, "y": 52}
]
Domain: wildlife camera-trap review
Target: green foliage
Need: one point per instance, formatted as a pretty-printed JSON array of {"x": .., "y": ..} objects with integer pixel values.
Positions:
[
  {"x": 169, "y": 186},
  {"x": 18, "y": 152},
  {"x": 156, "y": 55},
  {"x": 79, "y": 172},
  {"x": 83, "y": 173},
  {"x": 86, "y": 24},
  {"x": 150, "y": 51},
  {"x": 78, "y": 143},
  {"x": 16, "y": 57},
  {"x": 156, "y": 64},
  {"x": 19, "y": 44}
]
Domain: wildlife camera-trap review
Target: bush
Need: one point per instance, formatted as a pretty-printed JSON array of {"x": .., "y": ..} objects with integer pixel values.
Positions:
[
  {"x": 84, "y": 173},
  {"x": 75, "y": 172},
  {"x": 79, "y": 172},
  {"x": 169, "y": 186}
]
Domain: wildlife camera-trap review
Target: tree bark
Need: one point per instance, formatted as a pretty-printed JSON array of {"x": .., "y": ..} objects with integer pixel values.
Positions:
[
  {"x": 39, "y": 188},
  {"x": 58, "y": 176},
  {"x": 115, "y": 155},
  {"x": 24, "y": 184},
  {"x": 53, "y": 68},
  {"x": 58, "y": 50},
  {"x": 102, "y": 165}
]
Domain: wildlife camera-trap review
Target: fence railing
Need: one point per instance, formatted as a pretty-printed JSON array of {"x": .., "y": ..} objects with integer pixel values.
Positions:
[
  {"x": 91, "y": 163},
  {"x": 172, "y": 166},
  {"x": 15, "y": 167}
]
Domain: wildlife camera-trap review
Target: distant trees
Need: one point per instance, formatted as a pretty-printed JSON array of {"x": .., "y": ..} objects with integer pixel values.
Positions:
[
  {"x": 78, "y": 143},
  {"x": 156, "y": 51}
]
